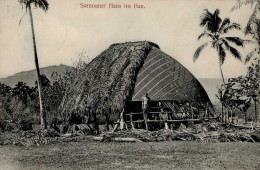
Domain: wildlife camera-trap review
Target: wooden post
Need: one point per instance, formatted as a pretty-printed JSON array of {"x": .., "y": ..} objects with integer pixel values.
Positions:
[
  {"x": 191, "y": 108},
  {"x": 131, "y": 121},
  {"x": 226, "y": 115},
  {"x": 166, "y": 125},
  {"x": 116, "y": 126},
  {"x": 122, "y": 123},
  {"x": 145, "y": 120},
  {"x": 231, "y": 112},
  {"x": 206, "y": 112}
]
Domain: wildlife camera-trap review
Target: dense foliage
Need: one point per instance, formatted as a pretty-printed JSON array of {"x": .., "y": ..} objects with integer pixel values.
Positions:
[
  {"x": 20, "y": 104},
  {"x": 241, "y": 92}
]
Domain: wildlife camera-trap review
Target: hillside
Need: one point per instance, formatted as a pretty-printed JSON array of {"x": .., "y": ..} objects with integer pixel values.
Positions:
[{"x": 29, "y": 77}]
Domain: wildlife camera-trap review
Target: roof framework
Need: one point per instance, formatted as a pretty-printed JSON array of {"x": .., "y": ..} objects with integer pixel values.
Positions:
[{"x": 164, "y": 78}]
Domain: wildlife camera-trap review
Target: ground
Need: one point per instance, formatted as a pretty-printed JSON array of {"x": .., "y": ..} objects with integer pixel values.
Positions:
[{"x": 160, "y": 155}]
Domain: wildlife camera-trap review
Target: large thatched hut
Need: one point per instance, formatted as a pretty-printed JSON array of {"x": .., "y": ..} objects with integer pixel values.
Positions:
[{"x": 117, "y": 79}]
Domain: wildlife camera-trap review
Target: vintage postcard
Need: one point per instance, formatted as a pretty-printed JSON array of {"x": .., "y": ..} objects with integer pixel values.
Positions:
[{"x": 129, "y": 84}]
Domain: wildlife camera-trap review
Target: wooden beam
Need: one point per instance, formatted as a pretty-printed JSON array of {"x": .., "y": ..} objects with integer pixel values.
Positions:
[
  {"x": 150, "y": 121},
  {"x": 169, "y": 112}
]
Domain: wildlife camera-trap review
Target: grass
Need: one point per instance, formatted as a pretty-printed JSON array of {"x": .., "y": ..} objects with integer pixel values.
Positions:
[{"x": 161, "y": 155}]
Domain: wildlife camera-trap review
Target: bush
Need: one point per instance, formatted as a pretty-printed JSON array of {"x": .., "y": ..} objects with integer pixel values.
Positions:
[
  {"x": 25, "y": 125},
  {"x": 3, "y": 125}
]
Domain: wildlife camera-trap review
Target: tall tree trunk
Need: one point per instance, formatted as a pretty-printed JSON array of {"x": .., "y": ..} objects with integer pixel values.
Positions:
[
  {"x": 222, "y": 113},
  {"x": 226, "y": 118},
  {"x": 255, "y": 109},
  {"x": 39, "y": 84},
  {"x": 221, "y": 72},
  {"x": 222, "y": 76}
]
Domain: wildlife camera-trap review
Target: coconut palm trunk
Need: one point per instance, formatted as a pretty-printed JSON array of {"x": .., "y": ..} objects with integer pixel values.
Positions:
[
  {"x": 221, "y": 72},
  {"x": 39, "y": 84},
  {"x": 222, "y": 76}
]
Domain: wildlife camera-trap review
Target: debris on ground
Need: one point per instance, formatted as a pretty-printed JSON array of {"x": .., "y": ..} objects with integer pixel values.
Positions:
[
  {"x": 207, "y": 132},
  {"x": 203, "y": 132}
]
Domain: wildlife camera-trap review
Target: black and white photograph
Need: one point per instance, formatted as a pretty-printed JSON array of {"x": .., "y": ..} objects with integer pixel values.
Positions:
[{"x": 130, "y": 84}]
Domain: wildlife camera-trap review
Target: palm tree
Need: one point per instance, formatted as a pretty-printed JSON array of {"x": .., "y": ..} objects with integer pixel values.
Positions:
[
  {"x": 253, "y": 25},
  {"x": 43, "y": 4},
  {"x": 254, "y": 30},
  {"x": 253, "y": 3},
  {"x": 215, "y": 29}
]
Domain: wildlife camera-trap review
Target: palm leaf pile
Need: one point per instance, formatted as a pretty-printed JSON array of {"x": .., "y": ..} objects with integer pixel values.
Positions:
[{"x": 206, "y": 132}]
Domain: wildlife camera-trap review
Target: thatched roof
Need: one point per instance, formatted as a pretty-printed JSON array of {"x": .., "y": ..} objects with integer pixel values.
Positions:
[
  {"x": 125, "y": 72},
  {"x": 164, "y": 78}
]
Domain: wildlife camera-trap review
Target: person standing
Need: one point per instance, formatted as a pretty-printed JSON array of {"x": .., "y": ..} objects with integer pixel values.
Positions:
[{"x": 145, "y": 108}]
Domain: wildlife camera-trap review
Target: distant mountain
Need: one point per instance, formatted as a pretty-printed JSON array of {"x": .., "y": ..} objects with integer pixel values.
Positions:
[{"x": 29, "y": 77}]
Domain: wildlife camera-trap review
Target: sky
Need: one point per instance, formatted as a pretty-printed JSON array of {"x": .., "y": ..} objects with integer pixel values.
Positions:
[{"x": 65, "y": 30}]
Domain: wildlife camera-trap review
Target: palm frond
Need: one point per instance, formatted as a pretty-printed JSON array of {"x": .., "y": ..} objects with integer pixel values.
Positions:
[
  {"x": 231, "y": 27},
  {"x": 217, "y": 19},
  {"x": 251, "y": 54},
  {"x": 207, "y": 35},
  {"x": 221, "y": 53},
  {"x": 225, "y": 43},
  {"x": 224, "y": 24},
  {"x": 22, "y": 17},
  {"x": 243, "y": 2},
  {"x": 210, "y": 20},
  {"x": 198, "y": 51},
  {"x": 236, "y": 40},
  {"x": 43, "y": 4},
  {"x": 251, "y": 19},
  {"x": 217, "y": 42},
  {"x": 235, "y": 53},
  {"x": 232, "y": 50},
  {"x": 257, "y": 32},
  {"x": 254, "y": 30},
  {"x": 205, "y": 17}
]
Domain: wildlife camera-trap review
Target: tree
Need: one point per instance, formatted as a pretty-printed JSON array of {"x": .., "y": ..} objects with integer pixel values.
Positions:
[
  {"x": 239, "y": 92},
  {"x": 235, "y": 95},
  {"x": 5, "y": 95},
  {"x": 43, "y": 4},
  {"x": 254, "y": 30},
  {"x": 215, "y": 29},
  {"x": 253, "y": 3},
  {"x": 253, "y": 25},
  {"x": 252, "y": 80}
]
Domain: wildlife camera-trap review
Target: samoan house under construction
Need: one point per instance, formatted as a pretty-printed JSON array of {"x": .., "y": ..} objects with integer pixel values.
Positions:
[{"x": 116, "y": 80}]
